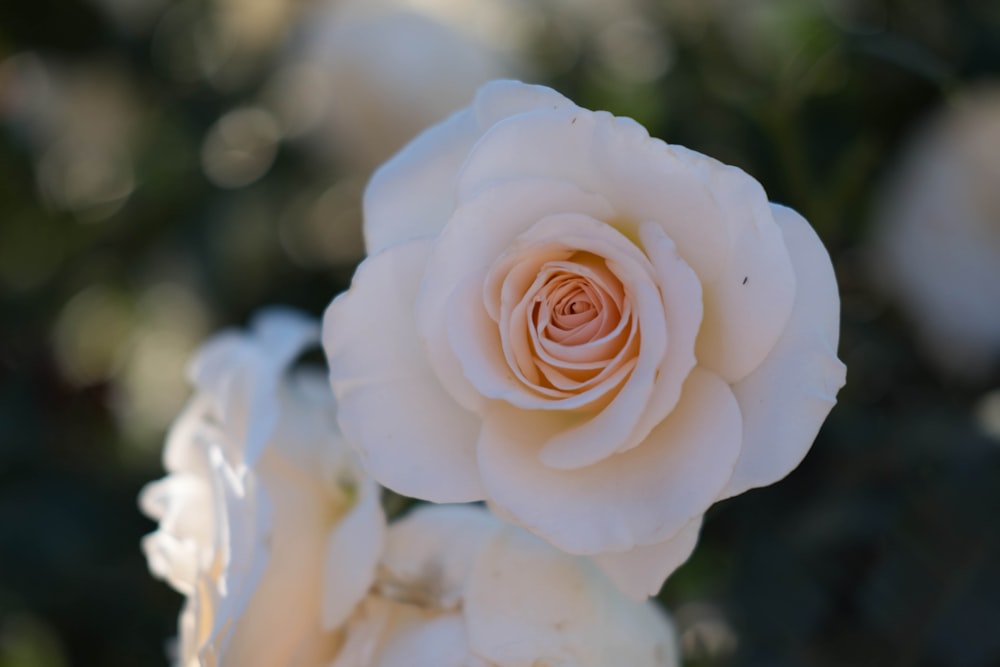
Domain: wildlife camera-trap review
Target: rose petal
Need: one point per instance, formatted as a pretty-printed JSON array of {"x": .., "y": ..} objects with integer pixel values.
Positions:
[
  {"x": 429, "y": 553},
  {"x": 433, "y": 640},
  {"x": 352, "y": 554},
  {"x": 613, "y": 157},
  {"x": 244, "y": 371},
  {"x": 528, "y": 604},
  {"x": 682, "y": 305},
  {"x": 642, "y": 496},
  {"x": 413, "y": 194},
  {"x": 475, "y": 340},
  {"x": 480, "y": 231},
  {"x": 748, "y": 303},
  {"x": 244, "y": 512},
  {"x": 785, "y": 401},
  {"x": 640, "y": 572},
  {"x": 596, "y": 438},
  {"x": 411, "y": 436},
  {"x": 385, "y": 633}
]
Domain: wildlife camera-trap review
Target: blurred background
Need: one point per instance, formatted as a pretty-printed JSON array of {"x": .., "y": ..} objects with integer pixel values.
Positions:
[{"x": 167, "y": 167}]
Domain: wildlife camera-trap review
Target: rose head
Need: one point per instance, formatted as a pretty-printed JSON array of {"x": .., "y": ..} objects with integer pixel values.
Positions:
[
  {"x": 266, "y": 522},
  {"x": 457, "y": 588},
  {"x": 596, "y": 332}
]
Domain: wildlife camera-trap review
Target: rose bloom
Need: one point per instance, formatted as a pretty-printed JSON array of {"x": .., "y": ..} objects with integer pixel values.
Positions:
[
  {"x": 374, "y": 73},
  {"x": 267, "y": 524},
  {"x": 936, "y": 241},
  {"x": 596, "y": 332},
  {"x": 457, "y": 588}
]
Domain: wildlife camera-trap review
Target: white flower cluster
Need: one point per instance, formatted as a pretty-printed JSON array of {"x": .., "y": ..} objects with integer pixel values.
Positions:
[{"x": 597, "y": 334}]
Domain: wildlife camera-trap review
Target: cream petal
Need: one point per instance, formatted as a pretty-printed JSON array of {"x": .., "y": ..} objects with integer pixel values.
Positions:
[
  {"x": 682, "y": 305},
  {"x": 243, "y": 371},
  {"x": 352, "y": 554},
  {"x": 385, "y": 633},
  {"x": 527, "y": 604},
  {"x": 187, "y": 440},
  {"x": 642, "y": 496},
  {"x": 282, "y": 613},
  {"x": 244, "y": 514},
  {"x": 748, "y": 303},
  {"x": 434, "y": 640},
  {"x": 172, "y": 559},
  {"x": 785, "y": 401},
  {"x": 640, "y": 572},
  {"x": 429, "y": 552},
  {"x": 639, "y": 176},
  {"x": 422, "y": 444},
  {"x": 364, "y": 631},
  {"x": 413, "y": 194}
]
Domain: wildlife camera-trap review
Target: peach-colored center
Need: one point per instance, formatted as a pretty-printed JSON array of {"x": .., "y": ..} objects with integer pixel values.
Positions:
[{"x": 573, "y": 328}]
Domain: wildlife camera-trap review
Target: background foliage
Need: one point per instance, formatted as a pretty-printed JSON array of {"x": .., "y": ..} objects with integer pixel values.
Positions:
[{"x": 883, "y": 548}]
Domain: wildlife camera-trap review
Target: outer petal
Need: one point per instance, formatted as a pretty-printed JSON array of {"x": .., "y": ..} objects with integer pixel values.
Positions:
[
  {"x": 242, "y": 373},
  {"x": 785, "y": 401},
  {"x": 413, "y": 194},
  {"x": 748, "y": 303},
  {"x": 642, "y": 496},
  {"x": 352, "y": 554},
  {"x": 640, "y": 572},
  {"x": 429, "y": 553},
  {"x": 385, "y": 633},
  {"x": 411, "y": 436},
  {"x": 283, "y": 604},
  {"x": 527, "y": 604},
  {"x": 641, "y": 177},
  {"x": 435, "y": 640}
]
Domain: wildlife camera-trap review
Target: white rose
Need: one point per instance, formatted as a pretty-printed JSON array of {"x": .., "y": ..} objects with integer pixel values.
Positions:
[
  {"x": 457, "y": 588},
  {"x": 936, "y": 246},
  {"x": 267, "y": 524},
  {"x": 596, "y": 332},
  {"x": 377, "y": 72}
]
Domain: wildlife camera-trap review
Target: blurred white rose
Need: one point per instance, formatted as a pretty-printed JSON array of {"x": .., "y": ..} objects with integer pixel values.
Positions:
[
  {"x": 266, "y": 523},
  {"x": 457, "y": 588},
  {"x": 596, "y": 332},
  {"x": 371, "y": 74},
  {"x": 936, "y": 244}
]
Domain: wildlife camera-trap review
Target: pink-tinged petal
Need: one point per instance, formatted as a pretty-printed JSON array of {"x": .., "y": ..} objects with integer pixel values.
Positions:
[
  {"x": 785, "y": 401},
  {"x": 748, "y": 302},
  {"x": 527, "y": 604},
  {"x": 475, "y": 340},
  {"x": 642, "y": 496},
  {"x": 352, "y": 554},
  {"x": 613, "y": 157},
  {"x": 680, "y": 290},
  {"x": 429, "y": 553},
  {"x": 479, "y": 232},
  {"x": 413, "y": 194},
  {"x": 640, "y": 572},
  {"x": 411, "y": 436}
]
